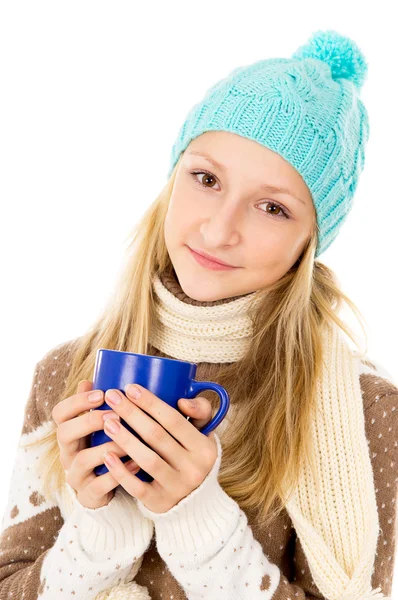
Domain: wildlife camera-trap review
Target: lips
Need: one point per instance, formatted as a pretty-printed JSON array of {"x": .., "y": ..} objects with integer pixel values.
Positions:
[
  {"x": 213, "y": 259},
  {"x": 210, "y": 264}
]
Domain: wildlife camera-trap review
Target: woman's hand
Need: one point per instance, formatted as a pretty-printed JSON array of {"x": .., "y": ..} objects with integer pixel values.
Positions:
[
  {"x": 178, "y": 457},
  {"x": 75, "y": 422}
]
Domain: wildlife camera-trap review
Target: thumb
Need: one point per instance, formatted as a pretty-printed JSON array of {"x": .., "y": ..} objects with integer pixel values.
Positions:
[{"x": 198, "y": 409}]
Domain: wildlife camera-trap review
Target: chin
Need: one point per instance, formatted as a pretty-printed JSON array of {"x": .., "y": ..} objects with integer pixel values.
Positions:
[
  {"x": 197, "y": 290},
  {"x": 199, "y": 294}
]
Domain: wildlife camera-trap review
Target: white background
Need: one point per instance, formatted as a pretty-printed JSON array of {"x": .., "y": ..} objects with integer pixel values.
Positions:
[{"x": 92, "y": 97}]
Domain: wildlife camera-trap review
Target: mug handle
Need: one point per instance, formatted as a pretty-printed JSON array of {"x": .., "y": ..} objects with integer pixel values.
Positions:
[{"x": 198, "y": 386}]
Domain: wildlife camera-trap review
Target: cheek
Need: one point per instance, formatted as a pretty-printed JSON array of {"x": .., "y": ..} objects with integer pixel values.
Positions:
[
  {"x": 285, "y": 240},
  {"x": 273, "y": 252},
  {"x": 180, "y": 218},
  {"x": 267, "y": 243},
  {"x": 174, "y": 229}
]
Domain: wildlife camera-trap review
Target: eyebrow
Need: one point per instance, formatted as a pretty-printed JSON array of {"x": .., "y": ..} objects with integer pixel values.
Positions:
[{"x": 268, "y": 188}]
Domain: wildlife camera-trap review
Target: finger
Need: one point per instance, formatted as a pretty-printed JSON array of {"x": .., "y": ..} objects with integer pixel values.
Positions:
[
  {"x": 170, "y": 418},
  {"x": 156, "y": 433},
  {"x": 81, "y": 470},
  {"x": 82, "y": 426},
  {"x": 152, "y": 434},
  {"x": 78, "y": 403},
  {"x": 84, "y": 385},
  {"x": 107, "y": 483},
  {"x": 144, "y": 455},
  {"x": 133, "y": 485},
  {"x": 72, "y": 435},
  {"x": 198, "y": 409},
  {"x": 98, "y": 487}
]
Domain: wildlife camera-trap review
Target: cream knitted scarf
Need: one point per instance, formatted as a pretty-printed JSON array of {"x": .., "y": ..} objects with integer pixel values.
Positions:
[{"x": 342, "y": 565}]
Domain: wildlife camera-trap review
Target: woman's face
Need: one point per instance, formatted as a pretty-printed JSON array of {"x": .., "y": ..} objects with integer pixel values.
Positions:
[{"x": 227, "y": 212}]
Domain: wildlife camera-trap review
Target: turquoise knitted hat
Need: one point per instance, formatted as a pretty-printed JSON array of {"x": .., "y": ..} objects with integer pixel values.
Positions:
[{"x": 305, "y": 108}]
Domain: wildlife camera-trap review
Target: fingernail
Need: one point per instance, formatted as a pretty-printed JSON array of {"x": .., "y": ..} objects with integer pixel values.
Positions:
[
  {"x": 133, "y": 391},
  {"x": 109, "y": 458},
  {"x": 95, "y": 397},
  {"x": 110, "y": 415},
  {"x": 112, "y": 425},
  {"x": 113, "y": 396},
  {"x": 131, "y": 465}
]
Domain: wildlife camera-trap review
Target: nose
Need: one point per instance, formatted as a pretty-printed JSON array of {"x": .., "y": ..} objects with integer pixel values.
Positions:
[{"x": 222, "y": 227}]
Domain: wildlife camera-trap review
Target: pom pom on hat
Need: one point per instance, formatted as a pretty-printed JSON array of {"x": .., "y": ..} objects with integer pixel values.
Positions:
[{"x": 341, "y": 53}]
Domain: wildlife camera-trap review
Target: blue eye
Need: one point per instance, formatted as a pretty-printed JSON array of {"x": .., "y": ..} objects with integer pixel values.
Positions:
[{"x": 284, "y": 215}]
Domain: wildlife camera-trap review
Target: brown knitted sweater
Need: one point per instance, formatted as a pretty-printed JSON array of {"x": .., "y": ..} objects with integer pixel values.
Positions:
[{"x": 24, "y": 545}]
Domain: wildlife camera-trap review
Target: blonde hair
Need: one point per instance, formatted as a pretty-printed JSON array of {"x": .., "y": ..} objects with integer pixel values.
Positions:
[{"x": 272, "y": 387}]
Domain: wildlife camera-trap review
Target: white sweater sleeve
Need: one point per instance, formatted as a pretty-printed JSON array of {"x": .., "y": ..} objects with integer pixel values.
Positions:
[
  {"x": 209, "y": 547},
  {"x": 96, "y": 548},
  {"x": 55, "y": 547}
]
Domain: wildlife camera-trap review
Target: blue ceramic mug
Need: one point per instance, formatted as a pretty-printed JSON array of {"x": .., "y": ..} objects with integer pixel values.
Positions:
[{"x": 168, "y": 378}]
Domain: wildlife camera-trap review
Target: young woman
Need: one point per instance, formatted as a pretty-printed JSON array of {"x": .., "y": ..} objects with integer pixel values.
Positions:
[{"x": 293, "y": 495}]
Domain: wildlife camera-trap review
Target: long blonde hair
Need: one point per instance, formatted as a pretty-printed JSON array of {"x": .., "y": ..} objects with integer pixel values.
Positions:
[{"x": 272, "y": 386}]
